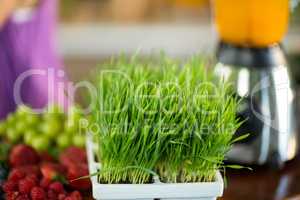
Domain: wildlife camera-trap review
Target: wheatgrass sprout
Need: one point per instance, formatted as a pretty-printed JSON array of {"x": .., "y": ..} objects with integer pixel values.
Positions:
[{"x": 162, "y": 118}]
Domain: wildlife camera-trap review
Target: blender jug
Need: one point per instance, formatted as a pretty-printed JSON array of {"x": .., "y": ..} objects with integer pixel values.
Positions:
[{"x": 251, "y": 58}]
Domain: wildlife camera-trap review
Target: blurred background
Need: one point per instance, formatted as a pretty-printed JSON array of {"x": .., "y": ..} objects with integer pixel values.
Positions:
[{"x": 92, "y": 30}]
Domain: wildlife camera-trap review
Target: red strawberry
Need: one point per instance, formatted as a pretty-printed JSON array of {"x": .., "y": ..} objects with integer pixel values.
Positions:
[
  {"x": 33, "y": 177},
  {"x": 57, "y": 187},
  {"x": 44, "y": 183},
  {"x": 46, "y": 157},
  {"x": 22, "y": 197},
  {"x": 23, "y": 155},
  {"x": 37, "y": 193},
  {"x": 11, "y": 195},
  {"x": 30, "y": 169},
  {"x": 76, "y": 195},
  {"x": 75, "y": 172},
  {"x": 9, "y": 186},
  {"x": 25, "y": 185},
  {"x": 52, "y": 195},
  {"x": 69, "y": 198},
  {"x": 51, "y": 170},
  {"x": 62, "y": 196},
  {"x": 73, "y": 155},
  {"x": 16, "y": 175}
]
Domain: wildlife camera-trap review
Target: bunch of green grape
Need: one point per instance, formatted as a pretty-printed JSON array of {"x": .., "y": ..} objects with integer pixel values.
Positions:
[{"x": 51, "y": 129}]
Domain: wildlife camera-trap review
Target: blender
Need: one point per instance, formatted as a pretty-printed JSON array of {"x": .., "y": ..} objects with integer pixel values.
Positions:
[{"x": 251, "y": 58}]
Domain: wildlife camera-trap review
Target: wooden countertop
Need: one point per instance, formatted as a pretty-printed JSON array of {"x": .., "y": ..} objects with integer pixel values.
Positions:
[{"x": 264, "y": 184}]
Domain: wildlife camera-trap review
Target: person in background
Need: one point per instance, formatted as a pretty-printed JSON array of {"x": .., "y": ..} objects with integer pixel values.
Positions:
[{"x": 27, "y": 36}]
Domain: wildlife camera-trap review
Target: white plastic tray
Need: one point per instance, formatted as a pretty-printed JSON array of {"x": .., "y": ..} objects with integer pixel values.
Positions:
[{"x": 153, "y": 191}]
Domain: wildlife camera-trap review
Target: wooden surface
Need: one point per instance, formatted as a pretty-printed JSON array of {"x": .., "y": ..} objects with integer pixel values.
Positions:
[{"x": 264, "y": 184}]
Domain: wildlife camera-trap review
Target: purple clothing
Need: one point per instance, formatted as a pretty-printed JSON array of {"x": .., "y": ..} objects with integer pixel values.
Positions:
[{"x": 24, "y": 46}]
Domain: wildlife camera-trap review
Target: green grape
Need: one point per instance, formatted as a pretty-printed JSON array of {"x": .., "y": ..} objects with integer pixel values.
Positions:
[
  {"x": 53, "y": 112},
  {"x": 13, "y": 135},
  {"x": 29, "y": 136},
  {"x": 71, "y": 127},
  {"x": 3, "y": 126},
  {"x": 20, "y": 127},
  {"x": 20, "y": 115},
  {"x": 11, "y": 119},
  {"x": 63, "y": 141},
  {"x": 32, "y": 119},
  {"x": 40, "y": 143},
  {"x": 46, "y": 129},
  {"x": 75, "y": 118},
  {"x": 56, "y": 125},
  {"x": 50, "y": 117},
  {"x": 79, "y": 140},
  {"x": 52, "y": 128}
]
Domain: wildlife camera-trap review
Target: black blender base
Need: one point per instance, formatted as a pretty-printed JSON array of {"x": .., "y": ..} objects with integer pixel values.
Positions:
[{"x": 233, "y": 55}]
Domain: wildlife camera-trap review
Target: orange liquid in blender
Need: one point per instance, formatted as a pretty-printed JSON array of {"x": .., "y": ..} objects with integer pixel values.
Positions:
[{"x": 254, "y": 23}]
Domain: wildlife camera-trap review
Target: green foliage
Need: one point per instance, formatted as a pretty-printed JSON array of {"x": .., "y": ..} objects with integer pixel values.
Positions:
[{"x": 175, "y": 120}]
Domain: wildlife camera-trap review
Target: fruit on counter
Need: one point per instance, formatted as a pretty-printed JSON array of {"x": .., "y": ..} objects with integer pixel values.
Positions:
[
  {"x": 74, "y": 159},
  {"x": 38, "y": 193},
  {"x": 76, "y": 171},
  {"x": 57, "y": 187},
  {"x": 79, "y": 140},
  {"x": 41, "y": 143},
  {"x": 3, "y": 176},
  {"x": 2, "y": 128},
  {"x": 26, "y": 184},
  {"x": 38, "y": 176},
  {"x": 13, "y": 135},
  {"x": 4, "y": 168},
  {"x": 23, "y": 155},
  {"x": 64, "y": 141},
  {"x": 25, "y": 169},
  {"x": 72, "y": 156},
  {"x": 4, "y": 151},
  {"x": 29, "y": 136},
  {"x": 52, "y": 171},
  {"x": 53, "y": 128}
]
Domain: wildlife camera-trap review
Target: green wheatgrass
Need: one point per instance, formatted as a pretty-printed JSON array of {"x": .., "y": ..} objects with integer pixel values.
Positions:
[{"x": 172, "y": 119}]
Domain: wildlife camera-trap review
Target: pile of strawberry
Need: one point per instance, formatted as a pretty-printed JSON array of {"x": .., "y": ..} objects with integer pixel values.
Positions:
[{"x": 39, "y": 177}]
